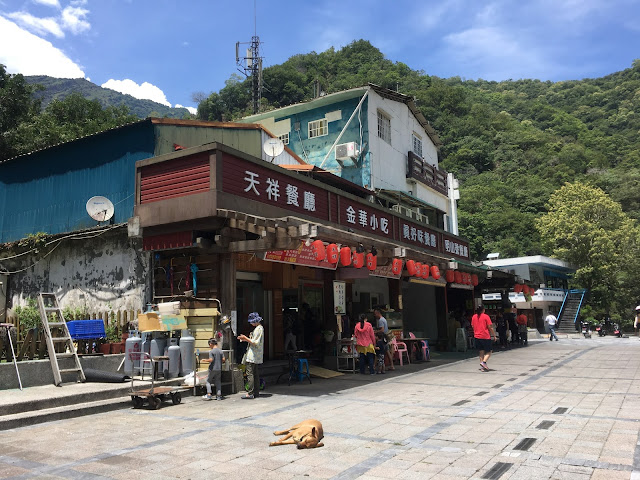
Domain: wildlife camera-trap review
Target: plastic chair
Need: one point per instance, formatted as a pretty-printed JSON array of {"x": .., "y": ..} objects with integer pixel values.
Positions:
[
  {"x": 302, "y": 373},
  {"x": 399, "y": 348}
]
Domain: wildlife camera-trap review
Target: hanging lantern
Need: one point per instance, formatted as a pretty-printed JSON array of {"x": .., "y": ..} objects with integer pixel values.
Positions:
[
  {"x": 435, "y": 272},
  {"x": 525, "y": 289},
  {"x": 345, "y": 256},
  {"x": 418, "y": 269},
  {"x": 449, "y": 276},
  {"x": 372, "y": 261},
  {"x": 425, "y": 271},
  {"x": 474, "y": 280},
  {"x": 457, "y": 276},
  {"x": 333, "y": 254},
  {"x": 358, "y": 259},
  {"x": 411, "y": 267},
  {"x": 396, "y": 266},
  {"x": 517, "y": 288},
  {"x": 319, "y": 251},
  {"x": 467, "y": 279}
]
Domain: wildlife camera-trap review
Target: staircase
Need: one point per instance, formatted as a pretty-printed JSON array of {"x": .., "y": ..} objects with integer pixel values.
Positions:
[{"x": 569, "y": 311}]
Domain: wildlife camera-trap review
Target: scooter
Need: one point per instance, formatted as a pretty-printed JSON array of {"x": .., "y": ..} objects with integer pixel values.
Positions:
[
  {"x": 586, "y": 329},
  {"x": 601, "y": 331},
  {"x": 616, "y": 330}
]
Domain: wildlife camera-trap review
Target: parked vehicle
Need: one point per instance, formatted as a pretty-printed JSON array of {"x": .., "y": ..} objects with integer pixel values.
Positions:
[
  {"x": 585, "y": 327},
  {"x": 616, "y": 330}
]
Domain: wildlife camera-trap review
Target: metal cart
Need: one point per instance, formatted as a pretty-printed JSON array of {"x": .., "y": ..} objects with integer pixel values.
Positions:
[{"x": 154, "y": 395}]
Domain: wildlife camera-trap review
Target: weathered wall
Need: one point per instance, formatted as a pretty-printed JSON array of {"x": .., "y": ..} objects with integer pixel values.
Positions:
[{"x": 96, "y": 274}]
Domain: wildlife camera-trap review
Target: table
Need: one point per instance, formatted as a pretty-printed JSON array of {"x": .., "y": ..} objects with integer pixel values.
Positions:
[
  {"x": 348, "y": 355},
  {"x": 414, "y": 344}
]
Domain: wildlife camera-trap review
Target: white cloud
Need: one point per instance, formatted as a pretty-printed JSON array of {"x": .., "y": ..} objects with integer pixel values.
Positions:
[
  {"x": 37, "y": 25},
  {"x": 192, "y": 110},
  {"x": 495, "y": 54},
  {"x": 28, "y": 54},
  {"x": 144, "y": 91},
  {"x": 48, "y": 3},
  {"x": 73, "y": 19}
]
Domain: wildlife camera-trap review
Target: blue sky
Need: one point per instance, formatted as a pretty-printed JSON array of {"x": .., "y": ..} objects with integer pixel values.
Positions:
[{"x": 166, "y": 50}]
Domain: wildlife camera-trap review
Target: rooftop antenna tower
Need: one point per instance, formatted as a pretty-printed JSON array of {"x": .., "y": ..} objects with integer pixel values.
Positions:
[{"x": 251, "y": 64}]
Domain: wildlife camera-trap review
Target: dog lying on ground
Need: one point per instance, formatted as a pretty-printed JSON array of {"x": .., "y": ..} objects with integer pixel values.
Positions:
[{"x": 306, "y": 434}]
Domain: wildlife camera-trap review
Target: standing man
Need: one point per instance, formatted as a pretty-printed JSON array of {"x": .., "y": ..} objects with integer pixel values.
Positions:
[
  {"x": 484, "y": 335},
  {"x": 254, "y": 355},
  {"x": 383, "y": 327},
  {"x": 522, "y": 328},
  {"x": 551, "y": 320}
]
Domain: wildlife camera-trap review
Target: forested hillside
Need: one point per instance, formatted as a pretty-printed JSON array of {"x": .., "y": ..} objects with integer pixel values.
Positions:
[
  {"x": 511, "y": 143},
  {"x": 61, "y": 88}
]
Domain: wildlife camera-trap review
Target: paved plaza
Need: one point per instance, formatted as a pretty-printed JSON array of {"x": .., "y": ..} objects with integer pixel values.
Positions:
[{"x": 558, "y": 410}]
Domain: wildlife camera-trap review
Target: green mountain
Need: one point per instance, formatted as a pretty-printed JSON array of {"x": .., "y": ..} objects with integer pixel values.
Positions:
[
  {"x": 60, "y": 88},
  {"x": 511, "y": 143}
]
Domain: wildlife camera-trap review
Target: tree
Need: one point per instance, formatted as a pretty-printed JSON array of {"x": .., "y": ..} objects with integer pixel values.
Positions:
[
  {"x": 584, "y": 227},
  {"x": 16, "y": 105}
]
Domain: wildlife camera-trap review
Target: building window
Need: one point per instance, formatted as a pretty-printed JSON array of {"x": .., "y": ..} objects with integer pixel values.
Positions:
[
  {"x": 417, "y": 145},
  {"x": 384, "y": 127},
  {"x": 318, "y": 128},
  {"x": 284, "y": 138}
]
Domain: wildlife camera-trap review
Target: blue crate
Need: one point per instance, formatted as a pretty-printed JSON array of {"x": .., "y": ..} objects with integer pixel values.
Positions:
[{"x": 82, "y": 329}]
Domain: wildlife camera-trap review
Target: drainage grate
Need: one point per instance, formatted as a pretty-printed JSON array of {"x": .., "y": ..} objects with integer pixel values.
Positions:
[
  {"x": 523, "y": 374},
  {"x": 479, "y": 394},
  {"x": 533, "y": 370},
  {"x": 525, "y": 444},
  {"x": 497, "y": 470},
  {"x": 461, "y": 402},
  {"x": 560, "y": 410},
  {"x": 545, "y": 424},
  {"x": 511, "y": 379},
  {"x": 498, "y": 385}
]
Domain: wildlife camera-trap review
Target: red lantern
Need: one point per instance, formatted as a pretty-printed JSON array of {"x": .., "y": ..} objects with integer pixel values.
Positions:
[
  {"x": 435, "y": 272},
  {"x": 319, "y": 251},
  {"x": 358, "y": 260},
  {"x": 418, "y": 269},
  {"x": 372, "y": 261},
  {"x": 396, "y": 266},
  {"x": 525, "y": 289},
  {"x": 467, "y": 279},
  {"x": 449, "y": 276},
  {"x": 333, "y": 254},
  {"x": 345, "y": 256},
  {"x": 457, "y": 276},
  {"x": 474, "y": 280},
  {"x": 425, "y": 271},
  {"x": 411, "y": 267},
  {"x": 517, "y": 288}
]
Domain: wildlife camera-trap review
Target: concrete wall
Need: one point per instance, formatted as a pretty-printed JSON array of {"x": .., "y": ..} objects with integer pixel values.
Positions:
[
  {"x": 38, "y": 372},
  {"x": 106, "y": 272}
]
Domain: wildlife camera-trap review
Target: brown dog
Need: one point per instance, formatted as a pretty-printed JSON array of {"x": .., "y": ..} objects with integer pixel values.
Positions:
[{"x": 306, "y": 434}]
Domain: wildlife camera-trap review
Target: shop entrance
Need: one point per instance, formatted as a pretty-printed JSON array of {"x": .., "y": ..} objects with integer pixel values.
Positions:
[
  {"x": 250, "y": 298},
  {"x": 311, "y": 314}
]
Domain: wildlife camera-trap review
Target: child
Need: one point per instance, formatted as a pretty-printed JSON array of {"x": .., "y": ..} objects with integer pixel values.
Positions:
[
  {"x": 381, "y": 349},
  {"x": 216, "y": 359}
]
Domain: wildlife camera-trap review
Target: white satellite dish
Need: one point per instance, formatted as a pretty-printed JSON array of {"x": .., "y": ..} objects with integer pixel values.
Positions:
[
  {"x": 100, "y": 208},
  {"x": 273, "y": 147}
]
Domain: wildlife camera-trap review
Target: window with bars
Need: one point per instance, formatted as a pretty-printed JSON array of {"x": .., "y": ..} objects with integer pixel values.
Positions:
[
  {"x": 384, "y": 127},
  {"x": 417, "y": 145},
  {"x": 318, "y": 128},
  {"x": 284, "y": 138}
]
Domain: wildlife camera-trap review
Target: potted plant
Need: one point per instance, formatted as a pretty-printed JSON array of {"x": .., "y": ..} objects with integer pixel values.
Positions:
[
  {"x": 328, "y": 335},
  {"x": 29, "y": 318},
  {"x": 113, "y": 339}
]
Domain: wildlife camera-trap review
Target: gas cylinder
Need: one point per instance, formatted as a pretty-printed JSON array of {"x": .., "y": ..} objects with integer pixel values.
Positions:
[
  {"x": 157, "y": 346},
  {"x": 187, "y": 345},
  {"x": 133, "y": 344},
  {"x": 174, "y": 358}
]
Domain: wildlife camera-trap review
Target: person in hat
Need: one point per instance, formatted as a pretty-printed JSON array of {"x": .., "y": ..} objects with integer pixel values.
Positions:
[
  {"x": 636, "y": 322},
  {"x": 254, "y": 355}
]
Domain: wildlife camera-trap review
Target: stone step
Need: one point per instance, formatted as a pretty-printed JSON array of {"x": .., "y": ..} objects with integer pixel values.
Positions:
[{"x": 26, "y": 418}]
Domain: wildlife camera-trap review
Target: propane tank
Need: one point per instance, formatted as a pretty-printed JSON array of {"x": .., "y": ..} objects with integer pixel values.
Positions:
[
  {"x": 133, "y": 344},
  {"x": 157, "y": 346},
  {"x": 174, "y": 358},
  {"x": 187, "y": 345}
]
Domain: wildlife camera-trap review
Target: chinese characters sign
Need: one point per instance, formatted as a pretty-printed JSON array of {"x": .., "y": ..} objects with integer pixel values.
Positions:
[
  {"x": 303, "y": 255},
  {"x": 419, "y": 235},
  {"x": 455, "y": 246},
  {"x": 339, "y": 297},
  {"x": 361, "y": 217}
]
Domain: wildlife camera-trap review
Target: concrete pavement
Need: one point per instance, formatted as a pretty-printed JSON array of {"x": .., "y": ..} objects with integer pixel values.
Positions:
[{"x": 568, "y": 409}]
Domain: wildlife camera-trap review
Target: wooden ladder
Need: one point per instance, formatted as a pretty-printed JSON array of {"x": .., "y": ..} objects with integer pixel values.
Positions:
[{"x": 48, "y": 304}]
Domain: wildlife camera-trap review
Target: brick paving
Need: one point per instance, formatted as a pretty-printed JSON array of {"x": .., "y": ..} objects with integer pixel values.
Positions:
[{"x": 413, "y": 423}]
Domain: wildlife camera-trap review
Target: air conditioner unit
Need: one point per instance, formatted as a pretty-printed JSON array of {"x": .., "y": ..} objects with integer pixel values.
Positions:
[
  {"x": 347, "y": 151},
  {"x": 419, "y": 217},
  {"x": 396, "y": 208},
  {"x": 408, "y": 212}
]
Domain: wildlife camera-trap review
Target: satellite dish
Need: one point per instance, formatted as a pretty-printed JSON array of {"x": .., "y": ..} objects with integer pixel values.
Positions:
[
  {"x": 100, "y": 208},
  {"x": 273, "y": 147}
]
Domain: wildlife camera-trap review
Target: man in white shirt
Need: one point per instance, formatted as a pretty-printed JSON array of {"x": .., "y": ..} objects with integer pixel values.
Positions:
[{"x": 551, "y": 320}]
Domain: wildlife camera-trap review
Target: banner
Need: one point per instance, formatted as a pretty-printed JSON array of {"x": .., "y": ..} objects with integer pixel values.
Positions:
[{"x": 303, "y": 255}]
